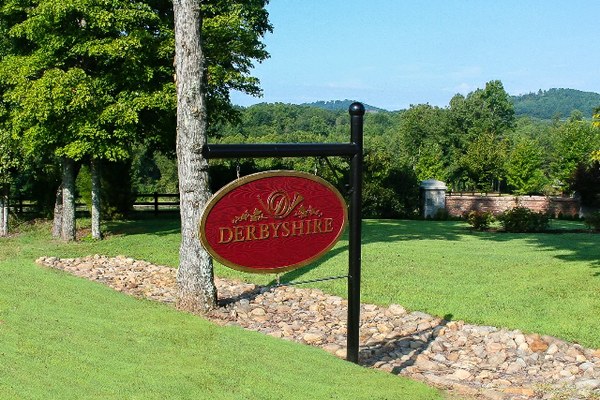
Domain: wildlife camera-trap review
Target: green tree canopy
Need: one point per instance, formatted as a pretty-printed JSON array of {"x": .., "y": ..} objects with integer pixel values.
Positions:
[
  {"x": 483, "y": 162},
  {"x": 483, "y": 110},
  {"x": 85, "y": 72},
  {"x": 525, "y": 165},
  {"x": 81, "y": 78},
  {"x": 573, "y": 143},
  {"x": 232, "y": 42},
  {"x": 431, "y": 164}
]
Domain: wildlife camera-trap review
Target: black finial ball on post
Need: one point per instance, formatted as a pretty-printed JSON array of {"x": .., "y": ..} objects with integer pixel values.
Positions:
[{"x": 356, "y": 108}]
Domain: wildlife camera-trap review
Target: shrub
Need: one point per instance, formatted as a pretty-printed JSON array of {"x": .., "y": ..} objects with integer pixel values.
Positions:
[
  {"x": 593, "y": 221},
  {"x": 522, "y": 219},
  {"x": 479, "y": 220}
]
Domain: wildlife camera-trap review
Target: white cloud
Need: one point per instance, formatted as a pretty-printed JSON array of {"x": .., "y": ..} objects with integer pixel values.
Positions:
[{"x": 462, "y": 88}]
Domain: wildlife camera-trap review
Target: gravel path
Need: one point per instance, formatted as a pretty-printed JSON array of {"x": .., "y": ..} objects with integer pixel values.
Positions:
[{"x": 476, "y": 361}]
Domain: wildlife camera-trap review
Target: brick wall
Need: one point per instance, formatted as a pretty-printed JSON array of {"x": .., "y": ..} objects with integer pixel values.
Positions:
[{"x": 457, "y": 205}]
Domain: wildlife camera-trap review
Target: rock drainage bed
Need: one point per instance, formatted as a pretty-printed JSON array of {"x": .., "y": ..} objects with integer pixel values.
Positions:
[{"x": 477, "y": 361}]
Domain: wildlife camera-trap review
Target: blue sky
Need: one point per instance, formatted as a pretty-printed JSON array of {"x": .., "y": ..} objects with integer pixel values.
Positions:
[{"x": 393, "y": 53}]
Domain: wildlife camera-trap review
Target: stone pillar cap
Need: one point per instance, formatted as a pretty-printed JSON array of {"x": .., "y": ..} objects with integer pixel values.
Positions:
[{"x": 433, "y": 184}]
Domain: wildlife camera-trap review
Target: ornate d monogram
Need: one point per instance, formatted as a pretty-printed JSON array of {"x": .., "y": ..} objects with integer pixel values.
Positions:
[{"x": 279, "y": 205}]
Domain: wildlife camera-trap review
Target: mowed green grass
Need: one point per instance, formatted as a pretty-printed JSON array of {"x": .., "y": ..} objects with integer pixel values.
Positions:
[{"x": 63, "y": 337}]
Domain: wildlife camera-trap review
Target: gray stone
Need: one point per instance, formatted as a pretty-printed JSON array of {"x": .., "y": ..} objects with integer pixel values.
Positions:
[
  {"x": 461, "y": 374},
  {"x": 588, "y": 384},
  {"x": 396, "y": 310},
  {"x": 553, "y": 349},
  {"x": 513, "y": 368}
]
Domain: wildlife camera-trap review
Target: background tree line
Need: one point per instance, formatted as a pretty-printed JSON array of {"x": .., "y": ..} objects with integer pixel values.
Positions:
[
  {"x": 476, "y": 143},
  {"x": 88, "y": 106}
]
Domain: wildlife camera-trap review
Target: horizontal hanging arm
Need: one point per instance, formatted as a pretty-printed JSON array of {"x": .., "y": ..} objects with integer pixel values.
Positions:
[{"x": 279, "y": 150}]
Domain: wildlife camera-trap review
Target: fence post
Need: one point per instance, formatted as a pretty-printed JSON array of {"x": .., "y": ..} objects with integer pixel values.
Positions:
[
  {"x": 155, "y": 204},
  {"x": 3, "y": 215}
]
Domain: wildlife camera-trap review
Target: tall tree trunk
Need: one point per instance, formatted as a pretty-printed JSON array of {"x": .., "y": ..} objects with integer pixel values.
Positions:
[
  {"x": 68, "y": 197},
  {"x": 4, "y": 211},
  {"x": 196, "y": 288},
  {"x": 58, "y": 214},
  {"x": 3, "y": 229},
  {"x": 95, "y": 172}
]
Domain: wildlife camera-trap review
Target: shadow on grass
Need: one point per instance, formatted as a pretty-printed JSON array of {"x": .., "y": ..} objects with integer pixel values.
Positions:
[
  {"x": 401, "y": 230},
  {"x": 569, "y": 238},
  {"x": 160, "y": 225},
  {"x": 294, "y": 275},
  {"x": 576, "y": 244}
]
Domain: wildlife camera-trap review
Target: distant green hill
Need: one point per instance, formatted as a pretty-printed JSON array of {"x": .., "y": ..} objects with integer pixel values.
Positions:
[
  {"x": 550, "y": 103},
  {"x": 543, "y": 104},
  {"x": 340, "y": 105}
]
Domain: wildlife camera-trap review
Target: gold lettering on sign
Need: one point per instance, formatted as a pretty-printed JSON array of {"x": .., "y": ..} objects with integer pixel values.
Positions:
[
  {"x": 225, "y": 234},
  {"x": 238, "y": 233},
  {"x": 262, "y": 231},
  {"x": 276, "y": 229},
  {"x": 278, "y": 205},
  {"x": 297, "y": 228},
  {"x": 307, "y": 212}
]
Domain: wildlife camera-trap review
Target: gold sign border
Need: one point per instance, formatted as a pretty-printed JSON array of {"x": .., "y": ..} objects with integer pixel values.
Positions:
[{"x": 253, "y": 177}]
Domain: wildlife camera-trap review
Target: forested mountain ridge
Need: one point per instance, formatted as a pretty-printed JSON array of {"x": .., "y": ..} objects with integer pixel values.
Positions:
[
  {"x": 544, "y": 104},
  {"x": 554, "y": 103},
  {"x": 340, "y": 105}
]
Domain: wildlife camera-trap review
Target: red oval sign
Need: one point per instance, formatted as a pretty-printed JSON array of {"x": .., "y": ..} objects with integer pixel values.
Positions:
[{"x": 273, "y": 221}]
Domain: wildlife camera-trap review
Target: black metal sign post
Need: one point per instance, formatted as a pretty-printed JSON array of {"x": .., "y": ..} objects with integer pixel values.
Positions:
[
  {"x": 354, "y": 149},
  {"x": 357, "y": 111}
]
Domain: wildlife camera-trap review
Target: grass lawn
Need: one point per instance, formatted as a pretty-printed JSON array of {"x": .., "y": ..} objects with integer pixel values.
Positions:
[
  {"x": 62, "y": 337},
  {"x": 547, "y": 283}
]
